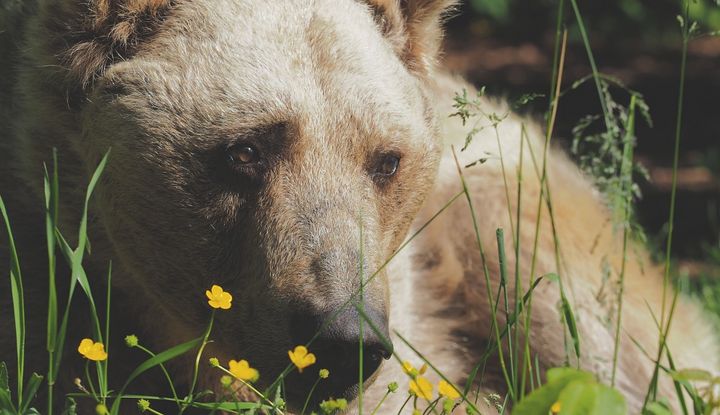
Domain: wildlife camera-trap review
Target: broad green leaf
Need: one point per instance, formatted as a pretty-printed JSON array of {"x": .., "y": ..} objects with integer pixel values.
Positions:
[
  {"x": 6, "y": 402},
  {"x": 578, "y": 398},
  {"x": 541, "y": 400},
  {"x": 609, "y": 402},
  {"x": 564, "y": 374},
  {"x": 30, "y": 389},
  {"x": 576, "y": 392}
]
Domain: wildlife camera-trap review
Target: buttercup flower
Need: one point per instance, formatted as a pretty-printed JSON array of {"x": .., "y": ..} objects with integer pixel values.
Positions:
[
  {"x": 421, "y": 387},
  {"x": 301, "y": 357},
  {"x": 243, "y": 371},
  {"x": 555, "y": 408},
  {"x": 447, "y": 390},
  {"x": 92, "y": 350},
  {"x": 410, "y": 369},
  {"x": 218, "y": 298}
]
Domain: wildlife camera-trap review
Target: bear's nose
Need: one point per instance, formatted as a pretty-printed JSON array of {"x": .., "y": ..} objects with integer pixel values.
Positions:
[{"x": 341, "y": 336}]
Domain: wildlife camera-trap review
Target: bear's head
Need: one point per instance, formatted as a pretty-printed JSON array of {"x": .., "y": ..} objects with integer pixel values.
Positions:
[{"x": 280, "y": 149}]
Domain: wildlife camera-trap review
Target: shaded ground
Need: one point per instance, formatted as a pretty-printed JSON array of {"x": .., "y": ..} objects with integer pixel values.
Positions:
[{"x": 519, "y": 63}]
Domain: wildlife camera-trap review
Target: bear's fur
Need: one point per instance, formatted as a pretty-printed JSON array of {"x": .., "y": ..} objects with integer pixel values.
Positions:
[{"x": 326, "y": 90}]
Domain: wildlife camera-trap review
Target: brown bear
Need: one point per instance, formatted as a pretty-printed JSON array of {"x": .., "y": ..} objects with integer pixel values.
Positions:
[{"x": 285, "y": 150}]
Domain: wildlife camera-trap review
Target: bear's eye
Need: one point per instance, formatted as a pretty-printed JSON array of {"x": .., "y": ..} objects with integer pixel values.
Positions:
[
  {"x": 387, "y": 165},
  {"x": 243, "y": 154}
]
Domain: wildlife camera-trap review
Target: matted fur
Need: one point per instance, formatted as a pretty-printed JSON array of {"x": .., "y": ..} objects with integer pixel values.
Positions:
[{"x": 322, "y": 87}]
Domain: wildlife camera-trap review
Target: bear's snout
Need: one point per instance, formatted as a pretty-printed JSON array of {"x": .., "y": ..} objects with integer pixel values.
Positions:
[{"x": 335, "y": 338}]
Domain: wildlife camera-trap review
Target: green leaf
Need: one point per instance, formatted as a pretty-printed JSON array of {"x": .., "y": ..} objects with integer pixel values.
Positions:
[
  {"x": 51, "y": 186},
  {"x": 6, "y": 402},
  {"x": 577, "y": 392},
  {"x": 230, "y": 406},
  {"x": 541, "y": 400},
  {"x": 525, "y": 99},
  {"x": 78, "y": 275},
  {"x": 571, "y": 325},
  {"x": 4, "y": 381},
  {"x": 18, "y": 300},
  {"x": 578, "y": 398},
  {"x": 567, "y": 374},
  {"x": 70, "y": 407},
  {"x": 692, "y": 375},
  {"x": 657, "y": 408},
  {"x": 609, "y": 401},
  {"x": 30, "y": 389},
  {"x": 82, "y": 234}
]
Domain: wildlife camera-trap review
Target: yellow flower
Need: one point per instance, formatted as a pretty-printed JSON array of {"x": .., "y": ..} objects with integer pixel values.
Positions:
[
  {"x": 243, "y": 371},
  {"x": 447, "y": 390},
  {"x": 555, "y": 408},
  {"x": 218, "y": 298},
  {"x": 410, "y": 369},
  {"x": 421, "y": 387},
  {"x": 91, "y": 350},
  {"x": 301, "y": 357}
]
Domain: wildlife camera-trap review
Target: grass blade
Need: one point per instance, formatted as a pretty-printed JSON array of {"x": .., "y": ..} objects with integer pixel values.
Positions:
[
  {"x": 571, "y": 324},
  {"x": 18, "y": 299},
  {"x": 51, "y": 187}
]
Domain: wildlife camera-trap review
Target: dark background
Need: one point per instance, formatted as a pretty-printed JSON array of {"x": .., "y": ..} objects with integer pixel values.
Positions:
[{"x": 507, "y": 46}]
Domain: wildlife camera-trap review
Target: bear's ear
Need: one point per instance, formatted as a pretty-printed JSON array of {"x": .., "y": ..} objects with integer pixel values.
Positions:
[
  {"x": 414, "y": 28},
  {"x": 88, "y": 35}
]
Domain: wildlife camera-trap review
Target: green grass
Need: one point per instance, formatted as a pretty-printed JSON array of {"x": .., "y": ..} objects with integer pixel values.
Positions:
[{"x": 527, "y": 391}]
